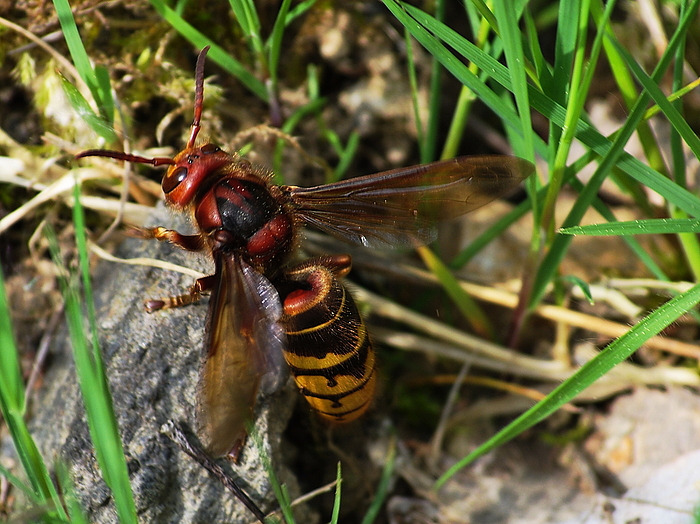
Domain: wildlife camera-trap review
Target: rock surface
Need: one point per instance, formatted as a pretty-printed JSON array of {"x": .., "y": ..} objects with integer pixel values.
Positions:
[{"x": 153, "y": 363}]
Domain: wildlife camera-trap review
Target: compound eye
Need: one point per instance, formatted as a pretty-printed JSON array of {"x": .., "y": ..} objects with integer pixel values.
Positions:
[
  {"x": 209, "y": 149},
  {"x": 173, "y": 179}
]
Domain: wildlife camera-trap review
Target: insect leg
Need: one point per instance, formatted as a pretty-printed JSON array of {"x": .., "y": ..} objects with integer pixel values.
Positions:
[
  {"x": 187, "y": 242},
  {"x": 177, "y": 434},
  {"x": 200, "y": 287}
]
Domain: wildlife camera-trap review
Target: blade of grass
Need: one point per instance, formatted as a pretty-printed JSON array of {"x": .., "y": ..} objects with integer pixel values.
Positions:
[
  {"x": 628, "y": 90},
  {"x": 346, "y": 156},
  {"x": 413, "y": 82},
  {"x": 557, "y": 85},
  {"x": 248, "y": 20},
  {"x": 11, "y": 385},
  {"x": 616, "y": 352},
  {"x": 632, "y": 243},
  {"x": 652, "y": 226},
  {"x": 455, "y": 133},
  {"x": 97, "y": 81},
  {"x": 435, "y": 97},
  {"x": 689, "y": 242},
  {"x": 652, "y": 89},
  {"x": 280, "y": 491},
  {"x": 82, "y": 107},
  {"x": 575, "y": 92},
  {"x": 629, "y": 93},
  {"x": 274, "y": 43},
  {"x": 588, "y": 135},
  {"x": 450, "y": 62},
  {"x": 91, "y": 375},
  {"x": 680, "y": 127},
  {"x": 383, "y": 487},
  {"x": 93, "y": 381},
  {"x": 613, "y": 155},
  {"x": 507, "y": 15},
  {"x": 216, "y": 53},
  {"x": 298, "y": 10},
  {"x": 466, "y": 304},
  {"x": 75, "y": 510},
  {"x": 288, "y": 127},
  {"x": 12, "y": 405},
  {"x": 515, "y": 57},
  {"x": 336, "y": 500},
  {"x": 21, "y": 485}
]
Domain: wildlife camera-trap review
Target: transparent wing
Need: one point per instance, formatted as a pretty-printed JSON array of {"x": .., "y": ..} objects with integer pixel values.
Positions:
[
  {"x": 400, "y": 207},
  {"x": 243, "y": 351}
]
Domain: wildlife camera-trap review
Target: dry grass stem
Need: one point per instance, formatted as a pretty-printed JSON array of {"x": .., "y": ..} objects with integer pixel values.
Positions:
[{"x": 560, "y": 314}]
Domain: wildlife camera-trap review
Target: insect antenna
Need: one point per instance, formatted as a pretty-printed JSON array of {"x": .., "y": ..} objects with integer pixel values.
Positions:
[
  {"x": 126, "y": 157},
  {"x": 196, "y": 125},
  {"x": 198, "y": 96}
]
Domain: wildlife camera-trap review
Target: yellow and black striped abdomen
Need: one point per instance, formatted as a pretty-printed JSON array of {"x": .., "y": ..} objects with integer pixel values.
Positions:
[{"x": 328, "y": 349}]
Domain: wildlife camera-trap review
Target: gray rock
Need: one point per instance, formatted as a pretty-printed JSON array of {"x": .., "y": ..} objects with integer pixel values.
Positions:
[{"x": 153, "y": 363}]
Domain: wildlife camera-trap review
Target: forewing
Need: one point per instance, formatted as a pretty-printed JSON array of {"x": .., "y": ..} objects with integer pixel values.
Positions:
[
  {"x": 400, "y": 207},
  {"x": 243, "y": 349}
]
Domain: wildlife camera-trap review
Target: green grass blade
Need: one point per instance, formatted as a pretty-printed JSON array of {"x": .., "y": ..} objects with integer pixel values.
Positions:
[
  {"x": 464, "y": 302},
  {"x": 616, "y": 352},
  {"x": 97, "y": 81},
  {"x": 543, "y": 72},
  {"x": 106, "y": 103},
  {"x": 275, "y": 40},
  {"x": 82, "y": 107},
  {"x": 93, "y": 380},
  {"x": 75, "y": 510},
  {"x": 575, "y": 93},
  {"x": 565, "y": 49},
  {"x": 413, "y": 82},
  {"x": 247, "y": 18},
  {"x": 20, "y": 484},
  {"x": 487, "y": 14},
  {"x": 654, "y": 91},
  {"x": 91, "y": 376},
  {"x": 689, "y": 242},
  {"x": 613, "y": 155},
  {"x": 288, "y": 127},
  {"x": 383, "y": 487},
  {"x": 435, "y": 99},
  {"x": 11, "y": 384},
  {"x": 280, "y": 491},
  {"x": 450, "y": 62},
  {"x": 629, "y": 93},
  {"x": 298, "y": 10},
  {"x": 653, "y": 226},
  {"x": 336, "y": 500},
  {"x": 631, "y": 242},
  {"x": 507, "y": 16},
  {"x": 347, "y": 154},
  {"x": 581, "y": 284},
  {"x": 12, "y": 405},
  {"x": 588, "y": 135},
  {"x": 216, "y": 53}
]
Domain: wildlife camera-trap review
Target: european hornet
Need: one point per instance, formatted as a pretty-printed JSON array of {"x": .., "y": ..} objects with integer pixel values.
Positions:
[{"x": 264, "y": 310}]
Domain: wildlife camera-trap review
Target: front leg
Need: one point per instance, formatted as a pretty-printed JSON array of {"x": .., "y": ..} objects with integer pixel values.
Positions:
[
  {"x": 200, "y": 287},
  {"x": 187, "y": 242}
]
